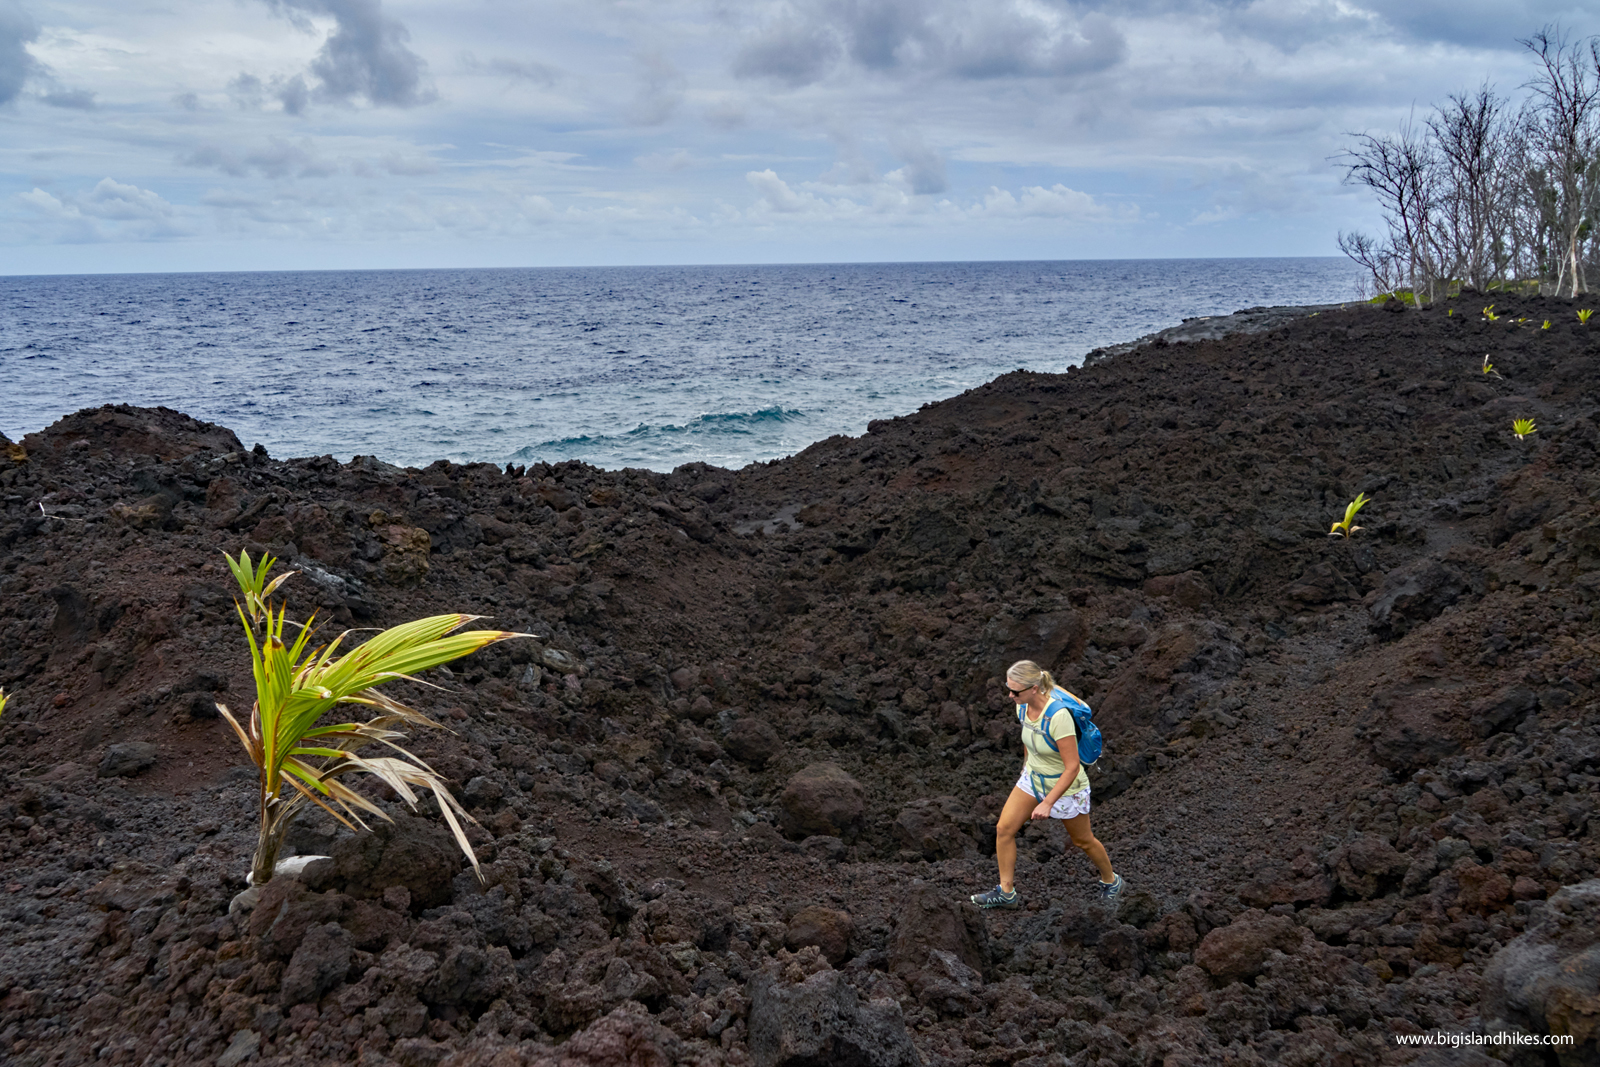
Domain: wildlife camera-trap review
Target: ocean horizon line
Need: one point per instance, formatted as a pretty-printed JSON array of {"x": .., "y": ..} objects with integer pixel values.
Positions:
[{"x": 730, "y": 265}]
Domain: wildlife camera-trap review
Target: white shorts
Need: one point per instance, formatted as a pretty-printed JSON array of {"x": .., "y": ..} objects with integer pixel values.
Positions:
[{"x": 1068, "y": 807}]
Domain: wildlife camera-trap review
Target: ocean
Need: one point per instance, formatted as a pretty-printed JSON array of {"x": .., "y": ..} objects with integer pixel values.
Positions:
[{"x": 619, "y": 367}]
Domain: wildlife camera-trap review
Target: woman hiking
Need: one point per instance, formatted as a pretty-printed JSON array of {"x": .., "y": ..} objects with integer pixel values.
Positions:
[{"x": 1053, "y": 785}]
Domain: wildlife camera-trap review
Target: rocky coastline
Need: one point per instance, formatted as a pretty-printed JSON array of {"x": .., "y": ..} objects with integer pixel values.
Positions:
[{"x": 733, "y": 797}]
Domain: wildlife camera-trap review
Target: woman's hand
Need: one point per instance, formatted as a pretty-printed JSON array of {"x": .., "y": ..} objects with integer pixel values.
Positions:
[{"x": 1043, "y": 810}]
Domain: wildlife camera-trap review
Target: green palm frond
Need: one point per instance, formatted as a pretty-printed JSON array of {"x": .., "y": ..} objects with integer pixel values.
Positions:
[{"x": 298, "y": 683}]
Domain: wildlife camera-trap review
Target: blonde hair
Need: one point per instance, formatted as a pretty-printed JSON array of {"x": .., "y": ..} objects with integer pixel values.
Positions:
[{"x": 1030, "y": 673}]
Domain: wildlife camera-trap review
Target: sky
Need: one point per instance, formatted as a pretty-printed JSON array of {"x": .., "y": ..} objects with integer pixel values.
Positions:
[{"x": 345, "y": 134}]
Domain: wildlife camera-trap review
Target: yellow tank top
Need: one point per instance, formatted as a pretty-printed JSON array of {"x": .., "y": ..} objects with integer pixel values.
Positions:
[{"x": 1045, "y": 765}]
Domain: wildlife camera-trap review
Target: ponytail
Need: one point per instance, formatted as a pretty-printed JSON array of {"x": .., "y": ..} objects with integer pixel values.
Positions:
[{"x": 1030, "y": 673}]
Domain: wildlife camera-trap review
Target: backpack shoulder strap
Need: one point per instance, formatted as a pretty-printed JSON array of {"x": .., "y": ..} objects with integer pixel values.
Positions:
[{"x": 1050, "y": 709}]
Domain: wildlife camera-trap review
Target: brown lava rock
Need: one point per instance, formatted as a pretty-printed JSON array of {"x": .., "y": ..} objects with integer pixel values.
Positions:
[
  {"x": 822, "y": 799},
  {"x": 1237, "y": 951}
]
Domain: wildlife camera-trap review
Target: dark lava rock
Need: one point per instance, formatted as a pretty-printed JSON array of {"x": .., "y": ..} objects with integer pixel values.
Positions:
[
  {"x": 124, "y": 429},
  {"x": 1547, "y": 980},
  {"x": 823, "y": 799},
  {"x": 752, "y": 740},
  {"x": 319, "y": 962},
  {"x": 625, "y": 1036},
  {"x": 937, "y": 827},
  {"x": 1136, "y": 523},
  {"x": 413, "y": 852},
  {"x": 1189, "y": 588},
  {"x": 1409, "y": 728},
  {"x": 131, "y": 886},
  {"x": 286, "y": 912},
  {"x": 821, "y": 1022},
  {"x": 1368, "y": 865},
  {"x": 127, "y": 759},
  {"x": 928, "y": 920},
  {"x": 1503, "y": 710},
  {"x": 1418, "y": 592},
  {"x": 471, "y": 976},
  {"x": 948, "y": 985}
]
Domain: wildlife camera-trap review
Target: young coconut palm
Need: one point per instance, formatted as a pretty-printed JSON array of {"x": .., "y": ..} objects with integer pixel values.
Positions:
[
  {"x": 1344, "y": 528},
  {"x": 300, "y": 761}
]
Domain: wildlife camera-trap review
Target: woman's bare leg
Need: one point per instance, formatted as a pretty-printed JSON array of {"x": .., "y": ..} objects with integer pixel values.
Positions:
[
  {"x": 1013, "y": 817},
  {"x": 1083, "y": 837}
]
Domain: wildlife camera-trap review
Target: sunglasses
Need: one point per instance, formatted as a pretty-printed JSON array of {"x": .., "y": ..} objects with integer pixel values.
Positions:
[{"x": 1018, "y": 692}]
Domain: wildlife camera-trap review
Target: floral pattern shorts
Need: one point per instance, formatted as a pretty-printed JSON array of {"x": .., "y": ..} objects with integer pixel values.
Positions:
[{"x": 1068, "y": 807}]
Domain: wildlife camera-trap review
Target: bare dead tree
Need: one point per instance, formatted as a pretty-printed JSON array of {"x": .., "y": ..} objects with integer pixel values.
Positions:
[
  {"x": 1401, "y": 171},
  {"x": 1482, "y": 193},
  {"x": 1536, "y": 248},
  {"x": 1472, "y": 140},
  {"x": 1378, "y": 257},
  {"x": 1562, "y": 145}
]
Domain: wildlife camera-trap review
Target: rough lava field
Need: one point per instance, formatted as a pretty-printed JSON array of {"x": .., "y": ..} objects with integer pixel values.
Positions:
[{"x": 733, "y": 797}]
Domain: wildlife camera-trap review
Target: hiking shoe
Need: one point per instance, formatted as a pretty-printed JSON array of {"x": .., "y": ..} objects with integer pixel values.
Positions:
[
  {"x": 1111, "y": 892},
  {"x": 997, "y": 898}
]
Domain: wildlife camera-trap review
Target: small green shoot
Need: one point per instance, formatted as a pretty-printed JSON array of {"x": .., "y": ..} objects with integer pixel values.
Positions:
[
  {"x": 1488, "y": 368},
  {"x": 3, "y": 699},
  {"x": 1546, "y": 325},
  {"x": 1489, "y": 314},
  {"x": 1523, "y": 427},
  {"x": 1344, "y": 527},
  {"x": 1583, "y": 315}
]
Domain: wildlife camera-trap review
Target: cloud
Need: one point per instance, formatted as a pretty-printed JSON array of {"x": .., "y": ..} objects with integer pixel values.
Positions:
[
  {"x": 539, "y": 74},
  {"x": 114, "y": 200},
  {"x": 852, "y": 164},
  {"x": 76, "y": 99},
  {"x": 679, "y": 159},
  {"x": 365, "y": 57},
  {"x": 790, "y": 51},
  {"x": 1056, "y": 202},
  {"x": 408, "y": 165},
  {"x": 294, "y": 94},
  {"x": 924, "y": 167},
  {"x": 1238, "y": 191},
  {"x": 111, "y": 211},
  {"x": 16, "y": 64},
  {"x": 888, "y": 199},
  {"x": 993, "y": 39},
  {"x": 774, "y": 193},
  {"x": 252, "y": 94},
  {"x": 277, "y": 159},
  {"x": 247, "y": 91},
  {"x": 661, "y": 87}
]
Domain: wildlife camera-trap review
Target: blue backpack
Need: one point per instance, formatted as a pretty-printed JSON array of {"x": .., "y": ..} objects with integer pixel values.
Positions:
[{"x": 1089, "y": 742}]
